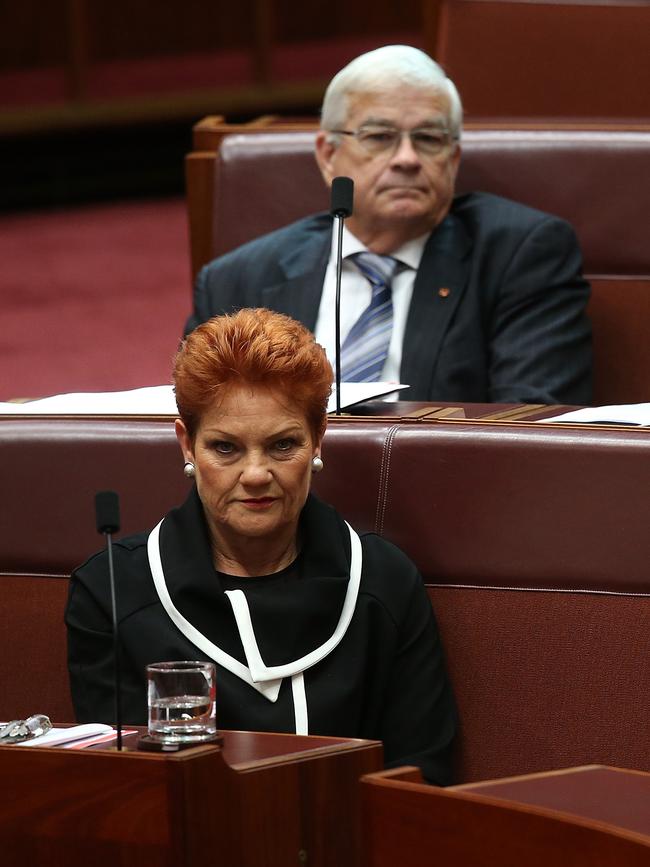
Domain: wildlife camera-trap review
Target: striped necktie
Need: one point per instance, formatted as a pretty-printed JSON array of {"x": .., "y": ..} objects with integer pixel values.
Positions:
[{"x": 365, "y": 349}]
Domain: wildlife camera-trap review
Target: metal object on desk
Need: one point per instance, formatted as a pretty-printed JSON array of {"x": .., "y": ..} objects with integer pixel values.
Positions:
[{"x": 20, "y": 730}]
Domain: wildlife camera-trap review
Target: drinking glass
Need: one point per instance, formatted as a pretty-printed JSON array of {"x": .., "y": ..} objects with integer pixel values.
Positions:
[{"x": 181, "y": 701}]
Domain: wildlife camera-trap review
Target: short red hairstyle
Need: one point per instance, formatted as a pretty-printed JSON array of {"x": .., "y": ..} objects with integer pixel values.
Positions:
[{"x": 253, "y": 347}]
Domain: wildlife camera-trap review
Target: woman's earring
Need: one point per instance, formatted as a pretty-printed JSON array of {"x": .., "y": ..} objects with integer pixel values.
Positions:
[
  {"x": 188, "y": 470},
  {"x": 317, "y": 464}
]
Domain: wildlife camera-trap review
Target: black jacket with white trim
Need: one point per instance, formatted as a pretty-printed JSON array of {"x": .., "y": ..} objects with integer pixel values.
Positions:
[{"x": 383, "y": 679}]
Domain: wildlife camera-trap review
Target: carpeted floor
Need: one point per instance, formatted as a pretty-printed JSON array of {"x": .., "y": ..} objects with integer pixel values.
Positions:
[{"x": 92, "y": 298}]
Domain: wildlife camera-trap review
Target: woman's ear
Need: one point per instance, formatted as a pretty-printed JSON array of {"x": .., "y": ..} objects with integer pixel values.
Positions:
[
  {"x": 184, "y": 440},
  {"x": 318, "y": 443}
]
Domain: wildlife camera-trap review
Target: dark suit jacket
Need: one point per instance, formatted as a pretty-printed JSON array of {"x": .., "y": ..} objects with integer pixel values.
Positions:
[{"x": 510, "y": 325}]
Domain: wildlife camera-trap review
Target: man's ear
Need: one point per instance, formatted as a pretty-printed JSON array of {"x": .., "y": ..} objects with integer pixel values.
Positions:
[
  {"x": 184, "y": 440},
  {"x": 324, "y": 152},
  {"x": 455, "y": 160}
]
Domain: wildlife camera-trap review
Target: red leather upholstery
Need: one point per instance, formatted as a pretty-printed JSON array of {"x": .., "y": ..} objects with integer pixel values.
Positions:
[
  {"x": 532, "y": 539},
  {"x": 597, "y": 180}
]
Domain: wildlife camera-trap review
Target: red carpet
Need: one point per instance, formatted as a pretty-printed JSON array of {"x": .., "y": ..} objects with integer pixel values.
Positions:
[{"x": 93, "y": 299}]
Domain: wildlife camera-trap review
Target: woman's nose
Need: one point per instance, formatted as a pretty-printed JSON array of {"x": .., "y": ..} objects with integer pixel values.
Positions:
[{"x": 255, "y": 470}]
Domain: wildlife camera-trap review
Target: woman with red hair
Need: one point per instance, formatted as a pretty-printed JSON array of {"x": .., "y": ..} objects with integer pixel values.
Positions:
[{"x": 313, "y": 628}]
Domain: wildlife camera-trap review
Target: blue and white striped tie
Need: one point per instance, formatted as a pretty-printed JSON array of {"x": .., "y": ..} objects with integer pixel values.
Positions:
[{"x": 365, "y": 349}]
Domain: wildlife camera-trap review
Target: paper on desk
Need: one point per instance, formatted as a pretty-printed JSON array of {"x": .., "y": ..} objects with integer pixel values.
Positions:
[
  {"x": 56, "y": 737},
  {"x": 159, "y": 400},
  {"x": 152, "y": 400},
  {"x": 358, "y": 392},
  {"x": 630, "y": 413}
]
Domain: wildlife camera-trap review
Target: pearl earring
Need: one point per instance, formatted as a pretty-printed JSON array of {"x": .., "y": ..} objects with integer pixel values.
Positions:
[
  {"x": 317, "y": 464},
  {"x": 188, "y": 470}
]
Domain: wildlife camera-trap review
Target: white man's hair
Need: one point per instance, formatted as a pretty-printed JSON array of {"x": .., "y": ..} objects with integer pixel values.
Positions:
[{"x": 382, "y": 70}]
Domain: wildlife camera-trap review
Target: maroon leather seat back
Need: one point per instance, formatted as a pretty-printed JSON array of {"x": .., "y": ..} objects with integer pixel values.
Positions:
[
  {"x": 447, "y": 493},
  {"x": 597, "y": 180},
  {"x": 275, "y": 173},
  {"x": 531, "y": 538},
  {"x": 51, "y": 471}
]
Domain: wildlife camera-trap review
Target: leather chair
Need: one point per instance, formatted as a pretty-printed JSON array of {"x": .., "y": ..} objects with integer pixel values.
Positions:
[{"x": 597, "y": 179}]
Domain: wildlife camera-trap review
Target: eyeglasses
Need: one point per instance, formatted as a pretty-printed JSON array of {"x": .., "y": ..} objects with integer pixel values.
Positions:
[{"x": 427, "y": 141}]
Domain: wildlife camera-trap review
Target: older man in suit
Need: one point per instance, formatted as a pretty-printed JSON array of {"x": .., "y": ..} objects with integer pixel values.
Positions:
[{"x": 466, "y": 298}]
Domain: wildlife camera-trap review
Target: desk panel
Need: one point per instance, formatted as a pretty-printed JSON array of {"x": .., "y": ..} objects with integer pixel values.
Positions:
[
  {"x": 536, "y": 821},
  {"x": 281, "y": 802},
  {"x": 616, "y": 796}
]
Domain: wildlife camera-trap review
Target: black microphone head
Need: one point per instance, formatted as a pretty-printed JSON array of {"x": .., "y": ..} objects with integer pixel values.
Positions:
[
  {"x": 342, "y": 196},
  {"x": 107, "y": 511}
]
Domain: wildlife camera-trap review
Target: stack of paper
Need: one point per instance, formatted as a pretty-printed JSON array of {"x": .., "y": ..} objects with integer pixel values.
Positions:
[
  {"x": 75, "y": 737},
  {"x": 631, "y": 414}
]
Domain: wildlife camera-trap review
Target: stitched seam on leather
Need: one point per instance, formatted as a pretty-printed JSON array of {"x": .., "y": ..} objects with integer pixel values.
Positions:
[
  {"x": 56, "y": 575},
  {"x": 541, "y": 589},
  {"x": 384, "y": 473}
]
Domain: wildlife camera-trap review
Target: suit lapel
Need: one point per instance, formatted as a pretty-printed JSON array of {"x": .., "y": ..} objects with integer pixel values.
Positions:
[
  {"x": 439, "y": 285},
  {"x": 304, "y": 267}
]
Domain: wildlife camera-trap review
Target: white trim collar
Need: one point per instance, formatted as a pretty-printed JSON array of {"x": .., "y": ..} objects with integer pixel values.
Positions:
[{"x": 267, "y": 680}]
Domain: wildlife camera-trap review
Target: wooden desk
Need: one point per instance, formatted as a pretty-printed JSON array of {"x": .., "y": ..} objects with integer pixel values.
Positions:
[
  {"x": 427, "y": 411},
  {"x": 613, "y": 796},
  {"x": 264, "y": 799},
  {"x": 577, "y": 817}
]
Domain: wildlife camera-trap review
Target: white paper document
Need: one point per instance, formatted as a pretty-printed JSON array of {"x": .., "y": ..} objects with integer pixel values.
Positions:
[
  {"x": 358, "y": 392},
  {"x": 630, "y": 413},
  {"x": 159, "y": 400},
  {"x": 73, "y": 734},
  {"x": 153, "y": 400}
]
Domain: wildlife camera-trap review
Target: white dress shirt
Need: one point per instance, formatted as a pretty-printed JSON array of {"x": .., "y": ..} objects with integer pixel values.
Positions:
[{"x": 356, "y": 293}]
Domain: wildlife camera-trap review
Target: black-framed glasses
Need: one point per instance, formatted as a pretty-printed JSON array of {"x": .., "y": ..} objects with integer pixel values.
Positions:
[{"x": 426, "y": 140}]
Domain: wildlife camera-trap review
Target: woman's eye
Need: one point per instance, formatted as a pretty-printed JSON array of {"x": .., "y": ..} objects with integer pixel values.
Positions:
[
  {"x": 224, "y": 448},
  {"x": 285, "y": 445}
]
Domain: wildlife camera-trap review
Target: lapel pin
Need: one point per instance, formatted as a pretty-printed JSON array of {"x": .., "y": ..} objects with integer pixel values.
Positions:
[{"x": 444, "y": 292}]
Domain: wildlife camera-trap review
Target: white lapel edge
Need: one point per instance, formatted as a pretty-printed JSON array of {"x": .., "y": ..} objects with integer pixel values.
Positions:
[
  {"x": 261, "y": 672},
  {"x": 300, "y": 713},
  {"x": 269, "y": 689}
]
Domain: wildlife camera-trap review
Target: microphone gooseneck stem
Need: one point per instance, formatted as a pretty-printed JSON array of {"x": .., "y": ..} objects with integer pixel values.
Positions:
[
  {"x": 337, "y": 312},
  {"x": 116, "y": 645},
  {"x": 342, "y": 195}
]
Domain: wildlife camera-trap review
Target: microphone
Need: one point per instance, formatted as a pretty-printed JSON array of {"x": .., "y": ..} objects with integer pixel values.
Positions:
[
  {"x": 342, "y": 196},
  {"x": 107, "y": 512},
  {"x": 107, "y": 516}
]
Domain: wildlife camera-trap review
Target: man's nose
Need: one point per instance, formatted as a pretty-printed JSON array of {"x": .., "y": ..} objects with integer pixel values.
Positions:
[{"x": 405, "y": 155}]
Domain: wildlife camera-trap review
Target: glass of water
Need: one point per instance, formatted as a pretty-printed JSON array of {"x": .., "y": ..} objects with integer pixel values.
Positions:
[{"x": 181, "y": 701}]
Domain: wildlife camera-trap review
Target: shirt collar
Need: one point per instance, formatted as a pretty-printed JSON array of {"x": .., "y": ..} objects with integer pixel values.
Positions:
[{"x": 409, "y": 253}]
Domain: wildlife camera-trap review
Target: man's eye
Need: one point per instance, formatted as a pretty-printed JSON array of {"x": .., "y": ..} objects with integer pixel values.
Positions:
[
  {"x": 429, "y": 140},
  {"x": 380, "y": 137}
]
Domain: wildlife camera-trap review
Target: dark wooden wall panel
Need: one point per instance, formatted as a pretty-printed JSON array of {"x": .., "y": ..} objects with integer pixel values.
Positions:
[{"x": 32, "y": 34}]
